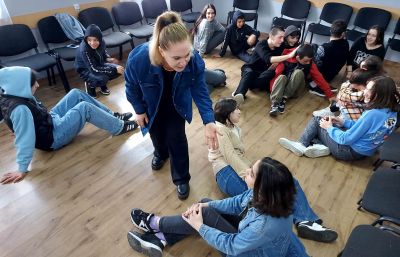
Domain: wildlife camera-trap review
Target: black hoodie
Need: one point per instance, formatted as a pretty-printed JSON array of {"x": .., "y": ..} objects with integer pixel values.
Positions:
[
  {"x": 93, "y": 60},
  {"x": 236, "y": 38}
]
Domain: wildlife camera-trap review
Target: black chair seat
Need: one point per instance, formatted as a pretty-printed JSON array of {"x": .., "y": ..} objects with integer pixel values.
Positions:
[
  {"x": 390, "y": 150},
  {"x": 382, "y": 195},
  {"x": 37, "y": 62},
  {"x": 394, "y": 43},
  {"x": 278, "y": 21},
  {"x": 319, "y": 29},
  {"x": 66, "y": 53},
  {"x": 117, "y": 38},
  {"x": 190, "y": 17},
  {"x": 144, "y": 31},
  {"x": 369, "y": 241},
  {"x": 353, "y": 34}
]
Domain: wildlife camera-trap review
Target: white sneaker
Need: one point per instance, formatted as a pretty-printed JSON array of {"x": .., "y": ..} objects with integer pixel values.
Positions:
[
  {"x": 296, "y": 147},
  {"x": 239, "y": 98},
  {"x": 316, "y": 150},
  {"x": 323, "y": 112}
]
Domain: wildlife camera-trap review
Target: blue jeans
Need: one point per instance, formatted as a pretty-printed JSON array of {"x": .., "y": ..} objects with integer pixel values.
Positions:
[
  {"x": 231, "y": 184},
  {"x": 74, "y": 110}
]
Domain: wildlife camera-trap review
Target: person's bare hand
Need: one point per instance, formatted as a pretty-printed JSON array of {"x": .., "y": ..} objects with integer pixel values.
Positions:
[
  {"x": 216, "y": 56},
  {"x": 325, "y": 122},
  {"x": 211, "y": 135},
  {"x": 195, "y": 218},
  {"x": 120, "y": 69},
  {"x": 293, "y": 53},
  {"x": 13, "y": 177},
  {"x": 113, "y": 60},
  {"x": 142, "y": 119}
]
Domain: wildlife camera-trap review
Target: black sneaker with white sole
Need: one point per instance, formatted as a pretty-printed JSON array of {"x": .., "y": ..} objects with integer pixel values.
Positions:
[
  {"x": 141, "y": 220},
  {"x": 314, "y": 231},
  {"x": 282, "y": 105},
  {"x": 123, "y": 116},
  {"x": 90, "y": 90},
  {"x": 147, "y": 243},
  {"x": 128, "y": 126}
]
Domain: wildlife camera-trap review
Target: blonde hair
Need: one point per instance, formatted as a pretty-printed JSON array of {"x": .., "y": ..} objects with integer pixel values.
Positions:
[{"x": 169, "y": 29}]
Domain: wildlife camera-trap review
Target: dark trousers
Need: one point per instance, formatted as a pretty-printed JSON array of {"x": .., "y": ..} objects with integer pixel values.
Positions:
[
  {"x": 175, "y": 228},
  {"x": 96, "y": 79},
  {"x": 169, "y": 140},
  {"x": 251, "y": 79}
]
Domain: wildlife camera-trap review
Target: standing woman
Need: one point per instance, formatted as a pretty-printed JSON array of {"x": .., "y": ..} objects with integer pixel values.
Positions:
[
  {"x": 371, "y": 44},
  {"x": 162, "y": 77},
  {"x": 208, "y": 32}
]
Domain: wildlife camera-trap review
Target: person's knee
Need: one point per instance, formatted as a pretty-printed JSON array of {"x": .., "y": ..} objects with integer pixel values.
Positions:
[
  {"x": 298, "y": 74},
  {"x": 74, "y": 92}
]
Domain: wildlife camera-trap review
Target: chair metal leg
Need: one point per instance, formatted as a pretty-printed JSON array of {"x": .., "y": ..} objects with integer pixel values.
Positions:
[
  {"x": 53, "y": 76},
  {"x": 63, "y": 77},
  {"x": 120, "y": 52},
  {"x": 377, "y": 164},
  {"x": 48, "y": 77}
]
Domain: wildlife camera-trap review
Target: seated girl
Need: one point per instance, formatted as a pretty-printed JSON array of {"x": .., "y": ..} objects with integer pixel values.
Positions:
[
  {"x": 230, "y": 165},
  {"x": 347, "y": 139},
  {"x": 207, "y": 31},
  {"x": 255, "y": 223}
]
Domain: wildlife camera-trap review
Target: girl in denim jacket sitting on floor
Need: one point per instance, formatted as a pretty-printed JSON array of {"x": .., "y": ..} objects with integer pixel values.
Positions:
[{"x": 259, "y": 223}]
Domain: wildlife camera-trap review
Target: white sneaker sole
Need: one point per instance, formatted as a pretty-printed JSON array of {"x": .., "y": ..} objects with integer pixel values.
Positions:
[
  {"x": 144, "y": 247},
  {"x": 315, "y": 153},
  {"x": 288, "y": 145}
]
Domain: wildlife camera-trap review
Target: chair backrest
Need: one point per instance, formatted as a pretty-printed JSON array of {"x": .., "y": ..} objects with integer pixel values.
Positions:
[
  {"x": 369, "y": 16},
  {"x": 297, "y": 9},
  {"x": 96, "y": 15},
  {"x": 16, "y": 39},
  {"x": 126, "y": 13},
  {"x": 181, "y": 5},
  {"x": 336, "y": 11},
  {"x": 51, "y": 31},
  {"x": 153, "y": 8},
  {"x": 246, "y": 4}
]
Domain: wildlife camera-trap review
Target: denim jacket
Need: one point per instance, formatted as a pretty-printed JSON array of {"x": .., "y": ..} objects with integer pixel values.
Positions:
[
  {"x": 144, "y": 86},
  {"x": 258, "y": 235}
]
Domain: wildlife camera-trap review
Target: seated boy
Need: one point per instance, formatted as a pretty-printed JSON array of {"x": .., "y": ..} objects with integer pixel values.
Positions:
[
  {"x": 93, "y": 63},
  {"x": 34, "y": 127},
  {"x": 291, "y": 74},
  {"x": 239, "y": 37}
]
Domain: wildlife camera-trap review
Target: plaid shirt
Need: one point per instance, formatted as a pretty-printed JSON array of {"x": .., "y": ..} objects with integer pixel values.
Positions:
[{"x": 350, "y": 101}]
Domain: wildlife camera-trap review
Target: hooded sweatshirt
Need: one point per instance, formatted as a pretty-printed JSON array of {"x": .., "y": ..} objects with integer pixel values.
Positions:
[
  {"x": 16, "y": 83},
  {"x": 236, "y": 38},
  {"x": 93, "y": 60}
]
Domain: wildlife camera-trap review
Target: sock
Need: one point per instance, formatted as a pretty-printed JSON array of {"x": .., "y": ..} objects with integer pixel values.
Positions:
[{"x": 154, "y": 223}]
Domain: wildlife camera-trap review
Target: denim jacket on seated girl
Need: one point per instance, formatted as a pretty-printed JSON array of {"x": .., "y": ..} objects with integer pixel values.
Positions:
[{"x": 258, "y": 235}]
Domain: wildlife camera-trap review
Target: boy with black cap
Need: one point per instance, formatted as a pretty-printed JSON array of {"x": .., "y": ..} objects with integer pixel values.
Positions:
[
  {"x": 292, "y": 37},
  {"x": 94, "y": 64}
]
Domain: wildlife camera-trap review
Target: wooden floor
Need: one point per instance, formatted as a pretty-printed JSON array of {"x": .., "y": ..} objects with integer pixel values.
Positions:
[{"x": 76, "y": 201}]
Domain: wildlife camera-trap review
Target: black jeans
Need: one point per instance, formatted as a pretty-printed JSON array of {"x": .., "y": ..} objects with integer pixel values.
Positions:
[
  {"x": 175, "y": 228},
  {"x": 169, "y": 140},
  {"x": 251, "y": 79},
  {"x": 97, "y": 80}
]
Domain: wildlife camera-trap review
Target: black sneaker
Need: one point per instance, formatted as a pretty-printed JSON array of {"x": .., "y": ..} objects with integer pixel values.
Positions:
[
  {"x": 314, "y": 231},
  {"x": 90, "y": 90},
  {"x": 128, "y": 126},
  {"x": 316, "y": 91},
  {"x": 274, "y": 110},
  {"x": 123, "y": 116},
  {"x": 141, "y": 220},
  {"x": 281, "y": 106},
  {"x": 104, "y": 90},
  {"x": 147, "y": 244}
]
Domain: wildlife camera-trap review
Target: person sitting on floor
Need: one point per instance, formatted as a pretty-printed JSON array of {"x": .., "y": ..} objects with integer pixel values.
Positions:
[
  {"x": 240, "y": 37},
  {"x": 94, "y": 64},
  {"x": 34, "y": 127},
  {"x": 291, "y": 74},
  {"x": 255, "y": 223},
  {"x": 347, "y": 139},
  {"x": 208, "y": 32},
  {"x": 230, "y": 164},
  {"x": 292, "y": 37}
]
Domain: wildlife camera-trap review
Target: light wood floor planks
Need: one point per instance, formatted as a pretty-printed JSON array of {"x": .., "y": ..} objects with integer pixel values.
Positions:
[{"x": 76, "y": 201}]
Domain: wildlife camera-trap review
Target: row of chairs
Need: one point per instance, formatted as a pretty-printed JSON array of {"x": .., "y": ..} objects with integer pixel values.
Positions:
[
  {"x": 381, "y": 197},
  {"x": 295, "y": 12}
]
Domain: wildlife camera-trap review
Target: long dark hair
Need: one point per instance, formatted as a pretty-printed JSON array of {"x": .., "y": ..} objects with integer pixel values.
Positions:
[
  {"x": 380, "y": 34},
  {"x": 223, "y": 108},
  {"x": 202, "y": 16},
  {"x": 274, "y": 189},
  {"x": 384, "y": 94}
]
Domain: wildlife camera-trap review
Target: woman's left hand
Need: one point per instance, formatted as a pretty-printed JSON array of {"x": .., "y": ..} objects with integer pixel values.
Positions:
[
  {"x": 194, "y": 218},
  {"x": 211, "y": 136},
  {"x": 325, "y": 122}
]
